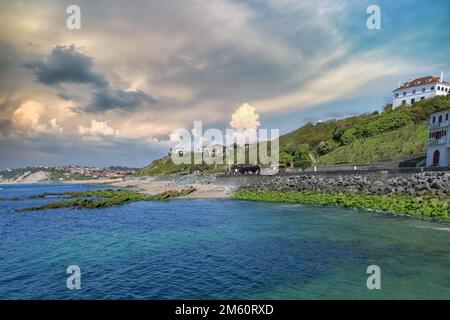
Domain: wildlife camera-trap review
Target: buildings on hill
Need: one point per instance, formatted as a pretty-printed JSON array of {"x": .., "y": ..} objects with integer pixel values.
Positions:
[{"x": 420, "y": 89}]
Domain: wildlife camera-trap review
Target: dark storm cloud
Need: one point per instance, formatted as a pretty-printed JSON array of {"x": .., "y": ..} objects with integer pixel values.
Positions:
[
  {"x": 66, "y": 64},
  {"x": 65, "y": 96},
  {"x": 107, "y": 99}
]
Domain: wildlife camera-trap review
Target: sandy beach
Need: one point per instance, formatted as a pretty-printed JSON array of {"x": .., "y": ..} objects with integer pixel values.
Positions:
[{"x": 153, "y": 186}]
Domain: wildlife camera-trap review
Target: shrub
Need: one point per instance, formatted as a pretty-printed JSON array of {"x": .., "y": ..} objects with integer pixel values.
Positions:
[{"x": 324, "y": 147}]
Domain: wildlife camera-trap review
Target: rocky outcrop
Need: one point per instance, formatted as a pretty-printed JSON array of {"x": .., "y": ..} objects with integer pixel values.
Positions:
[
  {"x": 426, "y": 183},
  {"x": 28, "y": 177}
]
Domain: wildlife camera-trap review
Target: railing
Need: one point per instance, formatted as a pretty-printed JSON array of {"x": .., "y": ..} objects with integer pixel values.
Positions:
[{"x": 434, "y": 142}]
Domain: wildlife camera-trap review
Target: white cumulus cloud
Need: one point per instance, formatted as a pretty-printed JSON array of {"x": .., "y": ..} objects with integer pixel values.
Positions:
[
  {"x": 97, "y": 128},
  {"x": 245, "y": 117},
  {"x": 29, "y": 117}
]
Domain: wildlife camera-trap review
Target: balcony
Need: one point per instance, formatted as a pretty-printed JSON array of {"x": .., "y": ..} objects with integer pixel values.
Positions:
[{"x": 435, "y": 142}]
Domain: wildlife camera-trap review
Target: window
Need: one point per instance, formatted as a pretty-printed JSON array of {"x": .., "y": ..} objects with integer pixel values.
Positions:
[
  {"x": 404, "y": 93},
  {"x": 396, "y": 95},
  {"x": 422, "y": 98},
  {"x": 434, "y": 119},
  {"x": 446, "y": 117},
  {"x": 413, "y": 101},
  {"x": 439, "y": 88},
  {"x": 423, "y": 89},
  {"x": 440, "y": 119},
  {"x": 403, "y": 101},
  {"x": 414, "y": 91},
  {"x": 446, "y": 89},
  {"x": 432, "y": 88}
]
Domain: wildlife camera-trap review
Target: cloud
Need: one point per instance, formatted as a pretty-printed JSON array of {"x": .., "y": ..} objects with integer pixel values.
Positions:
[
  {"x": 97, "y": 128},
  {"x": 28, "y": 117},
  {"x": 5, "y": 127},
  {"x": 66, "y": 64},
  {"x": 280, "y": 56},
  {"x": 54, "y": 127},
  {"x": 107, "y": 99},
  {"x": 344, "y": 81},
  {"x": 245, "y": 117}
]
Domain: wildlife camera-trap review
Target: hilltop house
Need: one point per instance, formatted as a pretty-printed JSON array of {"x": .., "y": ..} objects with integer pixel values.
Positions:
[
  {"x": 420, "y": 89},
  {"x": 438, "y": 153}
]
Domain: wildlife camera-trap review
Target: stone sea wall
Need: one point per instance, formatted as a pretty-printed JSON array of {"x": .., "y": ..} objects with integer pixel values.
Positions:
[{"x": 433, "y": 183}]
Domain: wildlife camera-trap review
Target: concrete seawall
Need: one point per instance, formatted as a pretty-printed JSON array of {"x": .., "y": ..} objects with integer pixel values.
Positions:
[{"x": 374, "y": 182}]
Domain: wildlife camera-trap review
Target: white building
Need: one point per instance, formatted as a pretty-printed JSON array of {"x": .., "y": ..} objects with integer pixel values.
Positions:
[
  {"x": 215, "y": 150},
  {"x": 420, "y": 89},
  {"x": 438, "y": 153}
]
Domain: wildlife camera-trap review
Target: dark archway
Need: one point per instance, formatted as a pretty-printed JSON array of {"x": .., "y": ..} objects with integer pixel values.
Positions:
[{"x": 436, "y": 156}]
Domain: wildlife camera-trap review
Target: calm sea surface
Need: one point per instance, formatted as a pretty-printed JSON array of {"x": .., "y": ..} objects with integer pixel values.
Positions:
[{"x": 215, "y": 249}]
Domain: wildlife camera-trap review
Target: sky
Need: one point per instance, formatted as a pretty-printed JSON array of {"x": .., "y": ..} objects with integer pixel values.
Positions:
[{"x": 114, "y": 91}]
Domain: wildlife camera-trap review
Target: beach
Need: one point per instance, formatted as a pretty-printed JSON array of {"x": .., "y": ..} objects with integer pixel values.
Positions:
[{"x": 153, "y": 185}]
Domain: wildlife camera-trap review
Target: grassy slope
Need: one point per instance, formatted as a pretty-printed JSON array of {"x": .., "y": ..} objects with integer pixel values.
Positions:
[{"x": 408, "y": 140}]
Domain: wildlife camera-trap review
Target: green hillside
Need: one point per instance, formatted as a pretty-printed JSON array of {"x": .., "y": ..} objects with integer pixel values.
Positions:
[
  {"x": 367, "y": 138},
  {"x": 363, "y": 139},
  {"x": 165, "y": 166},
  {"x": 408, "y": 140}
]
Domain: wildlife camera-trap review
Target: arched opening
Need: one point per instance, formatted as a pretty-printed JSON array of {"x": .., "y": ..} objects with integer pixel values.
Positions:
[{"x": 436, "y": 156}]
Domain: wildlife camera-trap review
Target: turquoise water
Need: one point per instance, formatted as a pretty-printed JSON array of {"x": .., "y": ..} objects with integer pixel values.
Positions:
[{"x": 215, "y": 249}]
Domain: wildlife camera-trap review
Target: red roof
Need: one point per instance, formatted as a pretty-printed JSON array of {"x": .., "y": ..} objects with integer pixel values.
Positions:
[{"x": 421, "y": 81}]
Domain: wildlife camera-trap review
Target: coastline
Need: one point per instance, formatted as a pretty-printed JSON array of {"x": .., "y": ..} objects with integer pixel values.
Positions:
[
  {"x": 92, "y": 181},
  {"x": 151, "y": 185},
  {"x": 434, "y": 208}
]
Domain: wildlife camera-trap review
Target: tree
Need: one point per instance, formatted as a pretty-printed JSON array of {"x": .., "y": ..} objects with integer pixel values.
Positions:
[
  {"x": 286, "y": 159},
  {"x": 349, "y": 136},
  {"x": 301, "y": 156},
  {"x": 324, "y": 147}
]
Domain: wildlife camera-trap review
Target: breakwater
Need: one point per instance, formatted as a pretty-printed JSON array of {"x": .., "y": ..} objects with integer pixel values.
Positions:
[{"x": 430, "y": 183}]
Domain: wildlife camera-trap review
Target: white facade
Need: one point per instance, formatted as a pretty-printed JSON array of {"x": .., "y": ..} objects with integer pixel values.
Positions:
[
  {"x": 438, "y": 153},
  {"x": 419, "y": 89}
]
